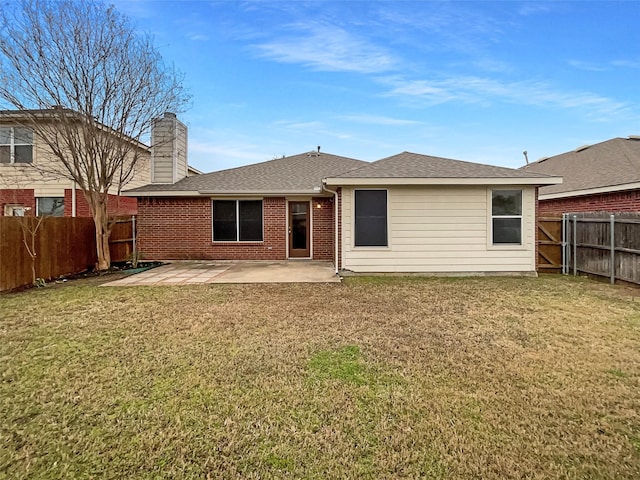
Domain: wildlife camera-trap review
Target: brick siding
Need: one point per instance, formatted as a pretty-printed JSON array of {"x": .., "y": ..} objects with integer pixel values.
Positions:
[
  {"x": 323, "y": 228},
  {"x": 24, "y": 197},
  {"x": 181, "y": 229},
  {"x": 628, "y": 201},
  {"x": 116, "y": 205}
]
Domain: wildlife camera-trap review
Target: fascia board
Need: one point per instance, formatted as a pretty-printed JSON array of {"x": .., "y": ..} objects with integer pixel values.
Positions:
[
  {"x": 442, "y": 181},
  {"x": 590, "y": 191},
  {"x": 214, "y": 193}
]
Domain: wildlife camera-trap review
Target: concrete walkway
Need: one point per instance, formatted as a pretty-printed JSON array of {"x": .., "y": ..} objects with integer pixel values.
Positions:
[{"x": 212, "y": 271}]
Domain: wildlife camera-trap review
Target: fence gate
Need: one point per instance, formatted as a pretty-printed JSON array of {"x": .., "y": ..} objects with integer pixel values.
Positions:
[
  {"x": 549, "y": 245},
  {"x": 122, "y": 240}
]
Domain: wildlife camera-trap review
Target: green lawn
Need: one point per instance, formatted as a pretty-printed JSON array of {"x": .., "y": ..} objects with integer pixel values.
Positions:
[{"x": 486, "y": 378}]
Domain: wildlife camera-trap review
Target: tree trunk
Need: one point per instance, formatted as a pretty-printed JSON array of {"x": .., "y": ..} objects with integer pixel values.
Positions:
[{"x": 98, "y": 204}]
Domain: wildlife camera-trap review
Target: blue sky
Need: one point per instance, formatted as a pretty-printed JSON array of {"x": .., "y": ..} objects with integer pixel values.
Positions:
[{"x": 475, "y": 81}]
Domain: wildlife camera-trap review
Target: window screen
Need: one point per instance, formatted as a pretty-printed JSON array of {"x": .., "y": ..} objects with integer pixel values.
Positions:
[{"x": 371, "y": 218}]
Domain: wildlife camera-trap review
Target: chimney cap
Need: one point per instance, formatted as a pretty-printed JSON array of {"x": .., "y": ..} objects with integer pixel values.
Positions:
[{"x": 169, "y": 115}]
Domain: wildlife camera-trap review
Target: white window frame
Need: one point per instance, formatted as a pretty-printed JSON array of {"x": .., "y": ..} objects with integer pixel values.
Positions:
[
  {"x": 237, "y": 200},
  {"x": 353, "y": 224},
  {"x": 491, "y": 216},
  {"x": 12, "y": 146},
  {"x": 15, "y": 210}
]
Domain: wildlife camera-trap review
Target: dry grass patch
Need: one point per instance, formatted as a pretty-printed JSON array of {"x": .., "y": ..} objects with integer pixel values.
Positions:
[{"x": 374, "y": 378}]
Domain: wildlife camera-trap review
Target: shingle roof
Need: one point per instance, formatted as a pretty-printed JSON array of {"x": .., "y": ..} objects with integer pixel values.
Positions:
[
  {"x": 301, "y": 173},
  {"x": 414, "y": 165},
  {"x": 607, "y": 164}
]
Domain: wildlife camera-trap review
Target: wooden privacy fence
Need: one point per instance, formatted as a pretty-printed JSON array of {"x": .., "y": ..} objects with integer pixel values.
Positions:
[
  {"x": 63, "y": 246},
  {"x": 602, "y": 244}
]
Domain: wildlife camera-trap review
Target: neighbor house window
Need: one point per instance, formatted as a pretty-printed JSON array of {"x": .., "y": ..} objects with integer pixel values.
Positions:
[
  {"x": 50, "y": 207},
  {"x": 17, "y": 210},
  {"x": 16, "y": 145},
  {"x": 237, "y": 220},
  {"x": 506, "y": 217},
  {"x": 371, "y": 218}
]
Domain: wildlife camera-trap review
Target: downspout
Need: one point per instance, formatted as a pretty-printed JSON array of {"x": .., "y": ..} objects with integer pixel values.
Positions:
[
  {"x": 335, "y": 216},
  {"x": 73, "y": 200}
]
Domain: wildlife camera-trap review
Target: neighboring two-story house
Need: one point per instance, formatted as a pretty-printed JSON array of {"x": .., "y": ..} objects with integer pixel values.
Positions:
[{"x": 33, "y": 182}]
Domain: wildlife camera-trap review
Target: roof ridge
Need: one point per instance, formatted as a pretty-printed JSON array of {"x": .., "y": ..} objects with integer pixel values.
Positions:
[
  {"x": 279, "y": 159},
  {"x": 457, "y": 160}
]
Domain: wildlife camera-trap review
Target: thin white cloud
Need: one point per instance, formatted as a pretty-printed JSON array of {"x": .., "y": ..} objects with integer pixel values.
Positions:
[
  {"x": 486, "y": 91},
  {"x": 626, "y": 63},
  {"x": 588, "y": 66},
  {"x": 430, "y": 92},
  {"x": 136, "y": 8},
  {"x": 197, "y": 37},
  {"x": 536, "y": 8},
  {"x": 299, "y": 125},
  {"x": 328, "y": 48},
  {"x": 378, "y": 120}
]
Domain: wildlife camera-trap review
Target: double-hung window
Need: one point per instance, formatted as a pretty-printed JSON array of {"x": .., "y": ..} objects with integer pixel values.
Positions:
[
  {"x": 16, "y": 145},
  {"x": 370, "y": 218},
  {"x": 506, "y": 217},
  {"x": 237, "y": 220}
]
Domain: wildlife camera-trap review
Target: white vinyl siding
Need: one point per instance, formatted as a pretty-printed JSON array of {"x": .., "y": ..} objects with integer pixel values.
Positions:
[
  {"x": 440, "y": 229},
  {"x": 181, "y": 151},
  {"x": 162, "y": 152},
  {"x": 169, "y": 150}
]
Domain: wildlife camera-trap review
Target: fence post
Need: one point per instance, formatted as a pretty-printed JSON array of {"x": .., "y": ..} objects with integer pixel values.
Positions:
[
  {"x": 612, "y": 222},
  {"x": 575, "y": 245},
  {"x": 134, "y": 247},
  {"x": 564, "y": 244}
]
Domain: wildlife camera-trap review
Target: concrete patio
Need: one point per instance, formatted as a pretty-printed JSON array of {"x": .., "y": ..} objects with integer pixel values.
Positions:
[{"x": 214, "y": 271}]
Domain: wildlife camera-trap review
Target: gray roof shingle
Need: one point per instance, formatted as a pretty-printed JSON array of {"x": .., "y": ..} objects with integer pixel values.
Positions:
[
  {"x": 414, "y": 165},
  {"x": 607, "y": 164},
  {"x": 301, "y": 173}
]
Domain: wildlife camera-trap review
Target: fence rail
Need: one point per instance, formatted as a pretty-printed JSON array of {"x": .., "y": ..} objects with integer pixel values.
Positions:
[
  {"x": 62, "y": 246},
  {"x": 602, "y": 244}
]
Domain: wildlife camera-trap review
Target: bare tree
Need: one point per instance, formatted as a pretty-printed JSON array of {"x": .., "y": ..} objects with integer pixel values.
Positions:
[{"x": 89, "y": 86}]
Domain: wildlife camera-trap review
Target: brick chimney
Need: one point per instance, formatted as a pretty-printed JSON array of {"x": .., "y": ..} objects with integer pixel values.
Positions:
[{"x": 168, "y": 149}]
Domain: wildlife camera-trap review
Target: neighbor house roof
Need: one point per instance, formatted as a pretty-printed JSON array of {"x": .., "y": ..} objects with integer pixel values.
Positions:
[
  {"x": 604, "y": 167},
  {"x": 297, "y": 174},
  {"x": 412, "y": 168}
]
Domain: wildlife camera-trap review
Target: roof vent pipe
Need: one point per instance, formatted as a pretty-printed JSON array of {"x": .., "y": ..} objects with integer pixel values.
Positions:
[{"x": 318, "y": 148}]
